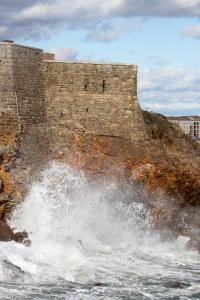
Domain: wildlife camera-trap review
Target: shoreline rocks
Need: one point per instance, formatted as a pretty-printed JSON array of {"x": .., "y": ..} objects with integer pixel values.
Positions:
[
  {"x": 167, "y": 167},
  {"x": 7, "y": 234}
]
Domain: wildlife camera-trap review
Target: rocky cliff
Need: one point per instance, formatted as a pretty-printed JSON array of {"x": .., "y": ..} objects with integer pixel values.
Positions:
[{"x": 166, "y": 168}]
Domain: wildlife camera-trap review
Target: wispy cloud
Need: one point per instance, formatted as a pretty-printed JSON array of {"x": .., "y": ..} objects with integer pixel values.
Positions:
[
  {"x": 65, "y": 53},
  {"x": 170, "y": 89},
  {"x": 192, "y": 31},
  {"x": 175, "y": 106},
  {"x": 106, "y": 32},
  {"x": 103, "y": 36},
  {"x": 157, "y": 61}
]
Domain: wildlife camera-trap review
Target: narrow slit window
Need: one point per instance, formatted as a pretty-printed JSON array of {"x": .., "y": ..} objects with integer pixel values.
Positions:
[
  {"x": 85, "y": 87},
  {"x": 104, "y": 86}
]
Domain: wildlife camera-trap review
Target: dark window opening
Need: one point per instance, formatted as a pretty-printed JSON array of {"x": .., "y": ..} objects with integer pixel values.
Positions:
[
  {"x": 104, "y": 86},
  {"x": 85, "y": 87},
  {"x": 87, "y": 109}
]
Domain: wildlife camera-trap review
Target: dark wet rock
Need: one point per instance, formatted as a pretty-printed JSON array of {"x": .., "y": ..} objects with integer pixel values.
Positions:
[
  {"x": 12, "y": 270},
  {"x": 9, "y": 265},
  {"x": 1, "y": 184},
  {"x": 4, "y": 198},
  {"x": 99, "y": 284},
  {"x": 8, "y": 167},
  {"x": 22, "y": 237},
  {"x": 26, "y": 242},
  {"x": 6, "y": 233},
  {"x": 177, "y": 285},
  {"x": 2, "y": 212},
  {"x": 17, "y": 154}
]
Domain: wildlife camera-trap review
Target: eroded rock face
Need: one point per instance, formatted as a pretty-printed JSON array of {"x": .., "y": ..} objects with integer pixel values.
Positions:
[
  {"x": 1, "y": 184},
  {"x": 8, "y": 189},
  {"x": 7, "y": 234},
  {"x": 167, "y": 166}
]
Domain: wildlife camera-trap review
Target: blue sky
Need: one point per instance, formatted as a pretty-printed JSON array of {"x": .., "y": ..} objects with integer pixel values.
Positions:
[{"x": 161, "y": 37}]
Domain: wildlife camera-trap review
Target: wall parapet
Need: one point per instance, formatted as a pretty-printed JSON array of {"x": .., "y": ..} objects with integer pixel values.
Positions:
[{"x": 76, "y": 62}]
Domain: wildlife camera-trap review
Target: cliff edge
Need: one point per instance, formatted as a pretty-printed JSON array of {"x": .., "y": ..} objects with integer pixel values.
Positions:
[{"x": 166, "y": 167}]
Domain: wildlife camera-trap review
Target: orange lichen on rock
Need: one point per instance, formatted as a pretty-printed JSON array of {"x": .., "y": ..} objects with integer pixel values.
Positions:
[
  {"x": 169, "y": 161},
  {"x": 8, "y": 184},
  {"x": 7, "y": 138},
  {"x": 9, "y": 189}
]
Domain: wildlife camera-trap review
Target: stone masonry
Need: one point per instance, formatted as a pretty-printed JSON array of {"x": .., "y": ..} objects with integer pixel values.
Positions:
[{"x": 68, "y": 98}]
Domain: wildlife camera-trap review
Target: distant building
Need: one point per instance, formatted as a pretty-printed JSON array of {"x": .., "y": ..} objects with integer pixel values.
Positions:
[{"x": 189, "y": 124}]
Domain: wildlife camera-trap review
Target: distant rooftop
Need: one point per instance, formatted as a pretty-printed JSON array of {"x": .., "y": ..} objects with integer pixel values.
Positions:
[{"x": 184, "y": 118}]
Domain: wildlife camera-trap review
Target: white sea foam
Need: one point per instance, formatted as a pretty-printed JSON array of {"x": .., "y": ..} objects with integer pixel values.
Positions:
[{"x": 86, "y": 232}]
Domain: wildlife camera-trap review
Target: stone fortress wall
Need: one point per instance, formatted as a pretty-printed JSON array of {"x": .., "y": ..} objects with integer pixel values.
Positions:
[
  {"x": 66, "y": 97},
  {"x": 8, "y": 111}
]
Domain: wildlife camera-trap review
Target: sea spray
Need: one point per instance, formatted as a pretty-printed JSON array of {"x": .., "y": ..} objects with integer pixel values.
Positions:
[{"x": 91, "y": 238}]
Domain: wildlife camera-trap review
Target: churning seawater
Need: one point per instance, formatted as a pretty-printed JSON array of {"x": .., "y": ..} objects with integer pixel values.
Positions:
[{"x": 92, "y": 241}]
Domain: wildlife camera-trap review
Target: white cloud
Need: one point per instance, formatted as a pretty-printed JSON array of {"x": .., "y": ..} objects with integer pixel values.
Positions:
[
  {"x": 36, "y": 18},
  {"x": 192, "y": 31},
  {"x": 105, "y": 31},
  {"x": 65, "y": 53},
  {"x": 176, "y": 106},
  {"x": 170, "y": 89},
  {"x": 110, "y": 6},
  {"x": 103, "y": 36},
  {"x": 157, "y": 61}
]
